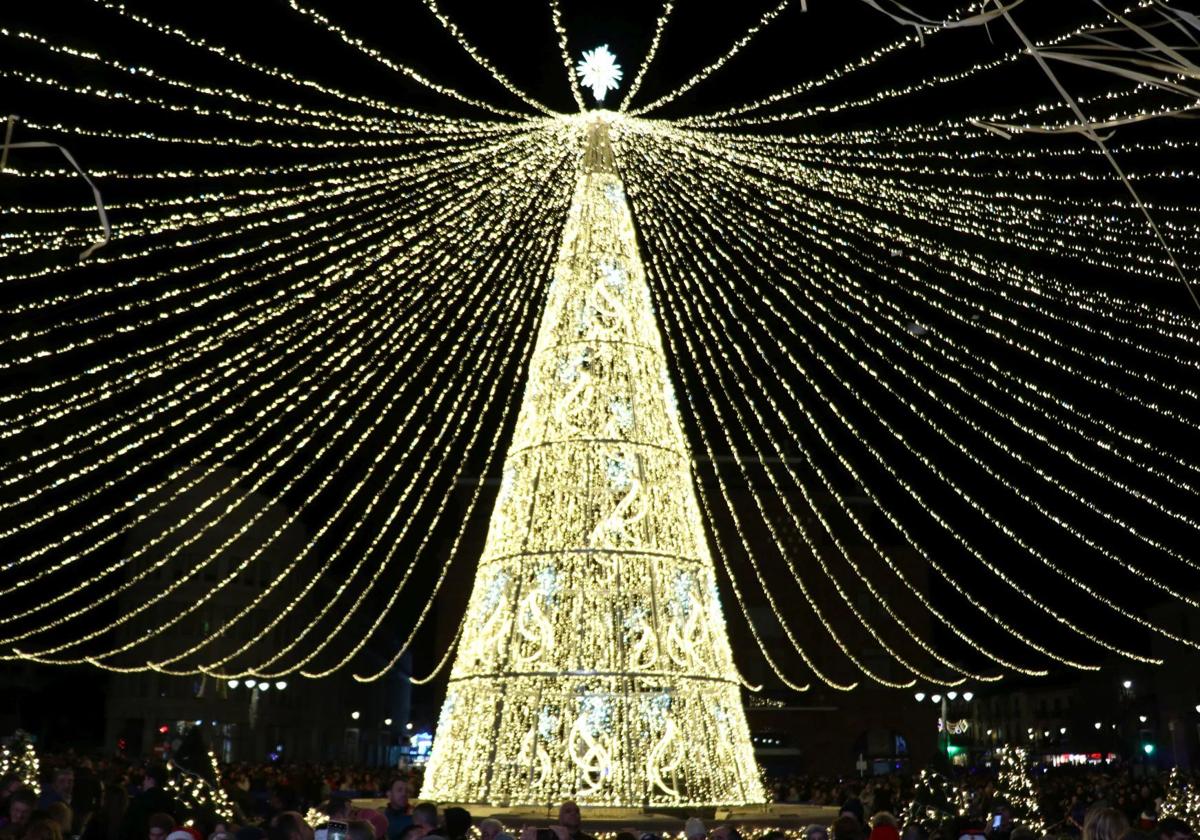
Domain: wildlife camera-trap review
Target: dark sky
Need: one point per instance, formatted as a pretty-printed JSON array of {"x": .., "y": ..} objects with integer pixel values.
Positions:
[{"x": 519, "y": 39}]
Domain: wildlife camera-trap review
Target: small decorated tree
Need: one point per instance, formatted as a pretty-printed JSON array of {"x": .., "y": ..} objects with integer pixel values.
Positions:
[
  {"x": 195, "y": 781},
  {"x": 1015, "y": 787},
  {"x": 1182, "y": 800},
  {"x": 934, "y": 799},
  {"x": 17, "y": 755}
]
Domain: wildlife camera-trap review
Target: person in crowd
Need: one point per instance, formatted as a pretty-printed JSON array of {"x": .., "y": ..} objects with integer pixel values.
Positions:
[
  {"x": 60, "y": 812},
  {"x": 570, "y": 818},
  {"x": 425, "y": 820},
  {"x": 338, "y": 809},
  {"x": 846, "y": 827},
  {"x": 289, "y": 825},
  {"x": 60, "y": 788},
  {"x": 490, "y": 829},
  {"x": 43, "y": 828},
  {"x": 457, "y": 822},
  {"x": 159, "y": 826},
  {"x": 884, "y": 827},
  {"x": 105, "y": 822},
  {"x": 20, "y": 810},
  {"x": 10, "y": 783},
  {"x": 87, "y": 794},
  {"x": 694, "y": 829},
  {"x": 398, "y": 811},
  {"x": 853, "y": 807},
  {"x": 153, "y": 799},
  {"x": 816, "y": 832},
  {"x": 373, "y": 818},
  {"x": 726, "y": 832},
  {"x": 1173, "y": 828},
  {"x": 1146, "y": 820},
  {"x": 1105, "y": 824},
  {"x": 531, "y": 832},
  {"x": 360, "y": 830}
]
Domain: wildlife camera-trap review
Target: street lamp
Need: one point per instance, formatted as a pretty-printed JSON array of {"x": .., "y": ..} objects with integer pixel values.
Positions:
[
  {"x": 1142, "y": 718},
  {"x": 354, "y": 715},
  {"x": 234, "y": 683},
  {"x": 953, "y": 695},
  {"x": 1128, "y": 684},
  {"x": 281, "y": 684},
  {"x": 919, "y": 696},
  {"x": 1098, "y": 725},
  {"x": 250, "y": 683},
  {"x": 387, "y": 721},
  {"x": 937, "y": 698},
  {"x": 968, "y": 696}
]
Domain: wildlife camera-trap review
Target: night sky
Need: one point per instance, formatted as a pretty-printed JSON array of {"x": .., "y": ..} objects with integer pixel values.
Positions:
[{"x": 519, "y": 39}]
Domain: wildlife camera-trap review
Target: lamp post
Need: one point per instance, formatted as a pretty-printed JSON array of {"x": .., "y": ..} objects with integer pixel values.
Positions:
[
  {"x": 256, "y": 688},
  {"x": 943, "y": 702}
]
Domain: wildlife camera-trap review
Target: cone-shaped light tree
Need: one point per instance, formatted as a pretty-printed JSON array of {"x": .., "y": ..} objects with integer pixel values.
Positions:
[{"x": 594, "y": 662}]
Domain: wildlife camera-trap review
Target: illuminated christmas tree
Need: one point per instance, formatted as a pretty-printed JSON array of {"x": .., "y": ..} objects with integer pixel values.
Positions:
[
  {"x": 594, "y": 661},
  {"x": 934, "y": 799},
  {"x": 18, "y": 755},
  {"x": 1014, "y": 786},
  {"x": 1182, "y": 800}
]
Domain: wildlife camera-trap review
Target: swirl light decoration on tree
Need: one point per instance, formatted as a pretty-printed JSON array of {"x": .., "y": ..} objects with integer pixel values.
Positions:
[{"x": 929, "y": 314}]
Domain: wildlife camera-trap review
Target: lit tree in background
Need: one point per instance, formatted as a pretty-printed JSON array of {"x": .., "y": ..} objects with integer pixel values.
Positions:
[
  {"x": 594, "y": 662},
  {"x": 935, "y": 798},
  {"x": 1182, "y": 801},
  {"x": 1015, "y": 787},
  {"x": 939, "y": 339},
  {"x": 18, "y": 755}
]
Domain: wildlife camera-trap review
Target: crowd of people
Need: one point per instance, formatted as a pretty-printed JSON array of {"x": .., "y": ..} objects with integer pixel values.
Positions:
[{"x": 114, "y": 799}]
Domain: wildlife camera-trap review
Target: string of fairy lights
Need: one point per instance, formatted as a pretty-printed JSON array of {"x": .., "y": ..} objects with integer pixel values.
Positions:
[{"x": 930, "y": 360}]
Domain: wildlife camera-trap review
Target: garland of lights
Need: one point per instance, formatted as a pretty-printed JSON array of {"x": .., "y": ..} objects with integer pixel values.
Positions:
[{"x": 325, "y": 316}]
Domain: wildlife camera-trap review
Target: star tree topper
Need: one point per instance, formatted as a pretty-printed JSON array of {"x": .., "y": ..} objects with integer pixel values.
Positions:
[{"x": 598, "y": 70}]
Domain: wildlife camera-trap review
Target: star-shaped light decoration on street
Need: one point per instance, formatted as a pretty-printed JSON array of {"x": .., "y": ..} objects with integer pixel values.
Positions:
[{"x": 598, "y": 70}]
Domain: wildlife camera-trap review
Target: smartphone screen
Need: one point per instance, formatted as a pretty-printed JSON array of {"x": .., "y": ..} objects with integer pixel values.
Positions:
[
  {"x": 336, "y": 831},
  {"x": 996, "y": 820}
]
